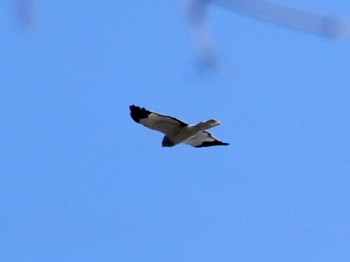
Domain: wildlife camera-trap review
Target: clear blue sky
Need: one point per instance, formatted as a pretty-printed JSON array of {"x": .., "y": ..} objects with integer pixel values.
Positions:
[{"x": 80, "y": 181}]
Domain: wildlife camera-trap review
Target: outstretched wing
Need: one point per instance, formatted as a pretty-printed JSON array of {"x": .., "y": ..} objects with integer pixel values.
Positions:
[
  {"x": 204, "y": 139},
  {"x": 289, "y": 16},
  {"x": 165, "y": 124}
]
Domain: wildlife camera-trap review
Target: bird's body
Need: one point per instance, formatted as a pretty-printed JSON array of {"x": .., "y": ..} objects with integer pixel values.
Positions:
[{"x": 175, "y": 130}]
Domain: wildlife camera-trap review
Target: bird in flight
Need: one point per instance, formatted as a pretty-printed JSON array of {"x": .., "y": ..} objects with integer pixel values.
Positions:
[
  {"x": 264, "y": 10},
  {"x": 175, "y": 130}
]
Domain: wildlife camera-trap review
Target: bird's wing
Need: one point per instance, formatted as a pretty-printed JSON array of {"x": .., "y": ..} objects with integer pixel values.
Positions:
[
  {"x": 204, "y": 139},
  {"x": 290, "y": 16},
  {"x": 165, "y": 124}
]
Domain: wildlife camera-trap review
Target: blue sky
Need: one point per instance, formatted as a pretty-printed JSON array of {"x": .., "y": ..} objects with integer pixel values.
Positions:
[{"x": 80, "y": 181}]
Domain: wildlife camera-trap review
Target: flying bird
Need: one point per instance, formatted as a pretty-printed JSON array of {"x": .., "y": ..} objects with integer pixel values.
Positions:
[
  {"x": 175, "y": 130},
  {"x": 265, "y": 10}
]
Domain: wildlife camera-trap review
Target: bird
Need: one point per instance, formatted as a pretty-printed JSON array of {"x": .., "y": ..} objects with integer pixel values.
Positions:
[
  {"x": 291, "y": 17},
  {"x": 175, "y": 130}
]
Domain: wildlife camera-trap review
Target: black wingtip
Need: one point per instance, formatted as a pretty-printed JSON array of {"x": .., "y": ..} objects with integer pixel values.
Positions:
[
  {"x": 138, "y": 113},
  {"x": 213, "y": 143}
]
